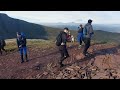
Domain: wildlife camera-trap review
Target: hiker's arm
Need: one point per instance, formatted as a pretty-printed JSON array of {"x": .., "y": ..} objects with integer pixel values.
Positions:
[
  {"x": 17, "y": 42},
  {"x": 91, "y": 29}
]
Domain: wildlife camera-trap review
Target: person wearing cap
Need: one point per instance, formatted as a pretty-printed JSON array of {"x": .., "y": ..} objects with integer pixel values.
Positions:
[
  {"x": 21, "y": 42},
  {"x": 63, "y": 47},
  {"x": 80, "y": 35},
  {"x": 87, "y": 34}
]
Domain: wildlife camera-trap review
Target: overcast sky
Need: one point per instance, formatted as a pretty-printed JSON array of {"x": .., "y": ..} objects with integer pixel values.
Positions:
[{"x": 98, "y": 17}]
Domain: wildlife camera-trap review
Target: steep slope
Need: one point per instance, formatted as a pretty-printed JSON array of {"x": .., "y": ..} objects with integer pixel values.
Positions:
[{"x": 103, "y": 63}]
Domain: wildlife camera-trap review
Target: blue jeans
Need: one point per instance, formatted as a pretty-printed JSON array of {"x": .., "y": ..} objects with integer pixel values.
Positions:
[{"x": 23, "y": 50}]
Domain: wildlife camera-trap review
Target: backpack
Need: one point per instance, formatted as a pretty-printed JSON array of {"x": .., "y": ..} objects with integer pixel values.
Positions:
[
  {"x": 59, "y": 39},
  {"x": 80, "y": 30}
]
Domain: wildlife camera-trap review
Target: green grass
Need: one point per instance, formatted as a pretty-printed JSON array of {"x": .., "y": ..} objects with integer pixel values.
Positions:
[
  {"x": 100, "y": 37},
  {"x": 42, "y": 44}
]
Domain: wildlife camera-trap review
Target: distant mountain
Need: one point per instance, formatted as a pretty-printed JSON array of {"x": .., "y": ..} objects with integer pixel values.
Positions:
[
  {"x": 9, "y": 26},
  {"x": 100, "y": 36},
  {"x": 74, "y": 26}
]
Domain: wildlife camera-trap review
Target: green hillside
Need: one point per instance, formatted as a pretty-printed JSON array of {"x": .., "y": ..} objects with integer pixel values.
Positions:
[{"x": 99, "y": 35}]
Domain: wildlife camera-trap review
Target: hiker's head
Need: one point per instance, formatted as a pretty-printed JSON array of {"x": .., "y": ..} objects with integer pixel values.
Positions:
[
  {"x": 18, "y": 34},
  {"x": 81, "y": 25},
  {"x": 22, "y": 34},
  {"x": 89, "y": 21},
  {"x": 66, "y": 30}
]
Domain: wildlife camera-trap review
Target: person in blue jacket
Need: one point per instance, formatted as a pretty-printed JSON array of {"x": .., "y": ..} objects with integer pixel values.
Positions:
[
  {"x": 80, "y": 35},
  {"x": 21, "y": 42}
]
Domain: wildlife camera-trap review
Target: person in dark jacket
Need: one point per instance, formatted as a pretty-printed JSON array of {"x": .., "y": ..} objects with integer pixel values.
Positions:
[
  {"x": 21, "y": 42},
  {"x": 80, "y": 35},
  {"x": 87, "y": 34},
  {"x": 2, "y": 45},
  {"x": 62, "y": 47}
]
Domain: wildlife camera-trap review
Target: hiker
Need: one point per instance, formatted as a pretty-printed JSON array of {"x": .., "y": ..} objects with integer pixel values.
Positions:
[
  {"x": 69, "y": 37},
  {"x": 61, "y": 41},
  {"x": 87, "y": 34},
  {"x": 21, "y": 42},
  {"x": 2, "y": 45},
  {"x": 80, "y": 35}
]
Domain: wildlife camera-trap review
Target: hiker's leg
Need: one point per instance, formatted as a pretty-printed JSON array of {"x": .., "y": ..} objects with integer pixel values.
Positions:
[
  {"x": 21, "y": 53},
  {"x": 62, "y": 55},
  {"x": 80, "y": 41},
  {"x": 85, "y": 47},
  {"x": 88, "y": 43},
  {"x": 3, "y": 48},
  {"x": 66, "y": 51},
  {"x": 62, "y": 52},
  {"x": 0, "y": 51},
  {"x": 25, "y": 53}
]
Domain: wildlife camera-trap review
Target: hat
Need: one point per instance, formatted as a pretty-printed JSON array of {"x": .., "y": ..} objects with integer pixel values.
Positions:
[
  {"x": 89, "y": 21},
  {"x": 66, "y": 28}
]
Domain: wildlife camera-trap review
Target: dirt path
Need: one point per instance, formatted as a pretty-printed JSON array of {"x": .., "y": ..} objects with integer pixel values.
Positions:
[{"x": 43, "y": 63}]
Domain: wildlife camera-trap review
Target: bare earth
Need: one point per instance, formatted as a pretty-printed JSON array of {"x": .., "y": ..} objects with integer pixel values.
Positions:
[{"x": 103, "y": 63}]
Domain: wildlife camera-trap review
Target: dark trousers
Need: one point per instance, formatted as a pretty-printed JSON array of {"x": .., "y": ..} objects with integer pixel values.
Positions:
[
  {"x": 64, "y": 52},
  {"x": 87, "y": 45},
  {"x": 80, "y": 42},
  {"x": 2, "y": 48},
  {"x": 23, "y": 50}
]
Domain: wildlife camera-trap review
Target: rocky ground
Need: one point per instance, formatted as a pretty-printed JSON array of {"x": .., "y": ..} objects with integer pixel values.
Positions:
[{"x": 103, "y": 63}]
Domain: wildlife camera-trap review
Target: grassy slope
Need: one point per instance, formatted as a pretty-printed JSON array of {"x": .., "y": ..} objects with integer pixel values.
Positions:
[{"x": 100, "y": 37}]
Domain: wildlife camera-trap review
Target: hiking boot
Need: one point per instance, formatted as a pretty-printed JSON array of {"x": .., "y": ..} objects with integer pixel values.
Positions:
[
  {"x": 66, "y": 57},
  {"x": 61, "y": 65},
  {"x": 22, "y": 62},
  {"x": 79, "y": 46},
  {"x": 26, "y": 58},
  {"x": 22, "y": 58},
  {"x": 86, "y": 54}
]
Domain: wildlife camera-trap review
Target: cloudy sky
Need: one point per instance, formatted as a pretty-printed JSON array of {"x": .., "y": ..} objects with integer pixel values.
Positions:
[{"x": 98, "y": 17}]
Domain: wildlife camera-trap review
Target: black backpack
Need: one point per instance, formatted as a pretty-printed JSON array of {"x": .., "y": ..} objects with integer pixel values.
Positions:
[{"x": 59, "y": 39}]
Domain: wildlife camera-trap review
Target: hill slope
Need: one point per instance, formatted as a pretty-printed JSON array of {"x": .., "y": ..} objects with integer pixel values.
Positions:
[
  {"x": 9, "y": 26},
  {"x": 103, "y": 63}
]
